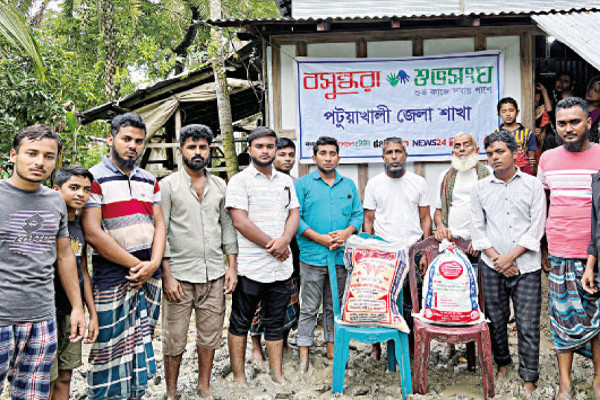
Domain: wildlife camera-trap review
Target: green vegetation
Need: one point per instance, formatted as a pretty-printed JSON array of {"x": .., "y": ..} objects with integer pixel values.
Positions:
[{"x": 70, "y": 55}]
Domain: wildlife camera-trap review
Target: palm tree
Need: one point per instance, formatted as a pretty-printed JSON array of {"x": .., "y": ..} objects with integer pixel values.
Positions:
[{"x": 14, "y": 29}]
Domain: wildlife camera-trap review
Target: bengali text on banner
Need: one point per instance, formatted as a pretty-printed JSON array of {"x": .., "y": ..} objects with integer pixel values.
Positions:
[{"x": 424, "y": 100}]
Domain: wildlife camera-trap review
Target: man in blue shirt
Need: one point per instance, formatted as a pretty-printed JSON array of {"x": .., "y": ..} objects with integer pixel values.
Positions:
[{"x": 330, "y": 212}]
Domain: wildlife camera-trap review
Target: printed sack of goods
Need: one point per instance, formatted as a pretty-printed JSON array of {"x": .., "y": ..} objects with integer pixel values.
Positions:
[
  {"x": 450, "y": 289},
  {"x": 377, "y": 271}
]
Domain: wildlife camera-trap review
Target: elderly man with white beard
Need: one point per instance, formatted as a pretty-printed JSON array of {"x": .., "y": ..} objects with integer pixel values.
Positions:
[{"x": 453, "y": 206}]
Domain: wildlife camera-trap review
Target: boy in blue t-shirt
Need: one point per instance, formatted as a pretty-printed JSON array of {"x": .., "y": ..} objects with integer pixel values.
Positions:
[{"x": 74, "y": 184}]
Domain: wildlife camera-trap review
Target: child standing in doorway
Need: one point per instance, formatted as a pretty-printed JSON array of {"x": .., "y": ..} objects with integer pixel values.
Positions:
[{"x": 508, "y": 110}]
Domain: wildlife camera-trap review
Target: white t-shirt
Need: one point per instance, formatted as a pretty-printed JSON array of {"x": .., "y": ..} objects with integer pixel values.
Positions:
[
  {"x": 396, "y": 202},
  {"x": 459, "y": 214}
]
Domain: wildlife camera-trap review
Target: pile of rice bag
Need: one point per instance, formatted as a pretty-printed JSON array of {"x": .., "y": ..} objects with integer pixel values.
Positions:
[
  {"x": 377, "y": 272},
  {"x": 450, "y": 289}
]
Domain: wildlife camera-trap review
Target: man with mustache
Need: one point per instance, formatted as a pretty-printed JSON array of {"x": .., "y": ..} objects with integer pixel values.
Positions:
[
  {"x": 264, "y": 210},
  {"x": 200, "y": 234},
  {"x": 34, "y": 236},
  {"x": 330, "y": 212},
  {"x": 123, "y": 222},
  {"x": 507, "y": 225},
  {"x": 566, "y": 173},
  {"x": 396, "y": 206}
]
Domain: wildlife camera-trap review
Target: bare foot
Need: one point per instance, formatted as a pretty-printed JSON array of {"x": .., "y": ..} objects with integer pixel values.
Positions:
[
  {"x": 275, "y": 378},
  {"x": 528, "y": 388},
  {"x": 303, "y": 366},
  {"x": 202, "y": 392},
  {"x": 449, "y": 351},
  {"x": 596, "y": 386},
  {"x": 500, "y": 372},
  {"x": 330, "y": 349},
  {"x": 376, "y": 351},
  {"x": 564, "y": 390},
  {"x": 257, "y": 353},
  {"x": 240, "y": 381}
]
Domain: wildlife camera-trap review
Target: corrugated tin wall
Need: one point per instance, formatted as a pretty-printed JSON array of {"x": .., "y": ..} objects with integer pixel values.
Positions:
[
  {"x": 380, "y": 8},
  {"x": 577, "y": 30}
]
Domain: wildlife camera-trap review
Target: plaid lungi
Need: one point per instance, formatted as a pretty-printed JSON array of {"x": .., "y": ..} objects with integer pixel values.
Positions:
[
  {"x": 525, "y": 290},
  {"x": 574, "y": 313},
  {"x": 26, "y": 354},
  {"x": 291, "y": 313},
  {"x": 122, "y": 358}
]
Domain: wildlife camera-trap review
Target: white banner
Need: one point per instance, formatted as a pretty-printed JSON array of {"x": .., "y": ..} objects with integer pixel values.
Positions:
[{"x": 424, "y": 100}]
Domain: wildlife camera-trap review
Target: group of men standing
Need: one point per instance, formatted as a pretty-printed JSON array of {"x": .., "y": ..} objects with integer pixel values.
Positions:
[
  {"x": 206, "y": 239},
  {"x": 497, "y": 208},
  {"x": 509, "y": 214}
]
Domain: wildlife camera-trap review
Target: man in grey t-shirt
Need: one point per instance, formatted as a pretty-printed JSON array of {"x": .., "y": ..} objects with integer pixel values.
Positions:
[{"x": 33, "y": 235}]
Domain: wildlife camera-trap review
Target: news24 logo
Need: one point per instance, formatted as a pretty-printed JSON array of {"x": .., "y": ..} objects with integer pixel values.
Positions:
[{"x": 433, "y": 142}]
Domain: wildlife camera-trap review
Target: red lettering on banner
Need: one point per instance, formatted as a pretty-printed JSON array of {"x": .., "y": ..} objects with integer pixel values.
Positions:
[{"x": 338, "y": 83}]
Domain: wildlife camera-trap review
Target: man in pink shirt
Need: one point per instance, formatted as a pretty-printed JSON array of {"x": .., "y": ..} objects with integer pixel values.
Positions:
[{"x": 566, "y": 173}]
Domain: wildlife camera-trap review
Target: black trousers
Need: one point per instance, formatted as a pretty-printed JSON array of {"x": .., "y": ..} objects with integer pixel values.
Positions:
[{"x": 274, "y": 298}]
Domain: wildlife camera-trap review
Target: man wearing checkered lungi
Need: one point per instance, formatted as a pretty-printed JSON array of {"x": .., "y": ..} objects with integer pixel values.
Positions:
[
  {"x": 34, "y": 236},
  {"x": 507, "y": 217}
]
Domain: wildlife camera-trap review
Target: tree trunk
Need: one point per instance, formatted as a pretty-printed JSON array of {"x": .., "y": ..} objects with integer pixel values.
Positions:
[
  {"x": 36, "y": 21},
  {"x": 181, "y": 50},
  {"x": 68, "y": 8},
  {"x": 222, "y": 91},
  {"x": 111, "y": 88}
]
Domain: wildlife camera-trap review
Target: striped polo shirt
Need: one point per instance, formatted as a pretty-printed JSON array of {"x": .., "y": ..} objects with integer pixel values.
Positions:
[
  {"x": 267, "y": 202},
  {"x": 127, "y": 216},
  {"x": 568, "y": 176}
]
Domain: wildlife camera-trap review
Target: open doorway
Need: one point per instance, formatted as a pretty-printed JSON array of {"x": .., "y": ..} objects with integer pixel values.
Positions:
[
  {"x": 553, "y": 57},
  {"x": 563, "y": 73}
]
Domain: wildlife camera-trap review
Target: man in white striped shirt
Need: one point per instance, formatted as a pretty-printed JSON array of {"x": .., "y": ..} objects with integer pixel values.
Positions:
[{"x": 264, "y": 210}]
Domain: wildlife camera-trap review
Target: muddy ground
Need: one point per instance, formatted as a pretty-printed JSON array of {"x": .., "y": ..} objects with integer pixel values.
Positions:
[{"x": 448, "y": 378}]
